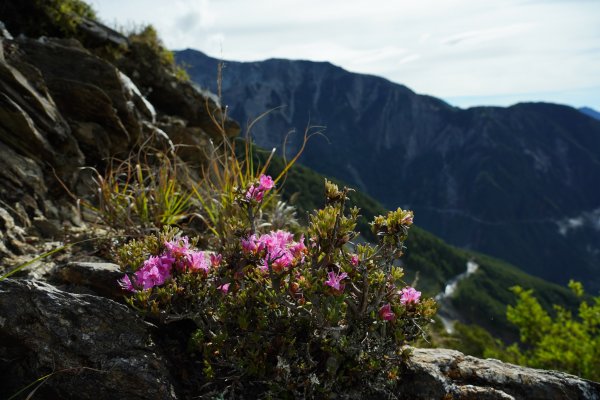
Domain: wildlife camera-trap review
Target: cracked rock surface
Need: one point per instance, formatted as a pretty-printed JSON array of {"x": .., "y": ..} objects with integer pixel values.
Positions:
[
  {"x": 97, "y": 348},
  {"x": 449, "y": 374}
]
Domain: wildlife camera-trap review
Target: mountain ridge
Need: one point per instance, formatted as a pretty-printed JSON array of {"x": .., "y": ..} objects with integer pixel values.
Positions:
[
  {"x": 500, "y": 180},
  {"x": 590, "y": 112}
]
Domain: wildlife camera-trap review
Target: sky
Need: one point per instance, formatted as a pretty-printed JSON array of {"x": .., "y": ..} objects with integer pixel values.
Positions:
[{"x": 467, "y": 52}]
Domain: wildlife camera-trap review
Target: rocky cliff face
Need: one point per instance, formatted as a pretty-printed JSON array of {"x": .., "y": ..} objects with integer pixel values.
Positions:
[
  {"x": 63, "y": 108},
  {"x": 519, "y": 183}
]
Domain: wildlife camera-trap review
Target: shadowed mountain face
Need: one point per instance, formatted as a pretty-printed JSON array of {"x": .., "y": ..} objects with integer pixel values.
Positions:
[
  {"x": 590, "y": 112},
  {"x": 521, "y": 183}
]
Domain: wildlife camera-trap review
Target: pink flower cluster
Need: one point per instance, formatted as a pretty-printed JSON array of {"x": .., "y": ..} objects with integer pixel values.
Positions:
[
  {"x": 178, "y": 255},
  {"x": 277, "y": 249},
  {"x": 257, "y": 192},
  {"x": 154, "y": 272},
  {"x": 409, "y": 295},
  {"x": 334, "y": 281}
]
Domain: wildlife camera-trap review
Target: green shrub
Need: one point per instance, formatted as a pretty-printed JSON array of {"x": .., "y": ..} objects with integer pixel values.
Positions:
[
  {"x": 45, "y": 17},
  {"x": 279, "y": 315},
  {"x": 148, "y": 38},
  {"x": 561, "y": 341}
]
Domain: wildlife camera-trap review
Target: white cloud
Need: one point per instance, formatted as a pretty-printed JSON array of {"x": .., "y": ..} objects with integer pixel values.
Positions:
[
  {"x": 484, "y": 35},
  {"x": 493, "y": 50}
]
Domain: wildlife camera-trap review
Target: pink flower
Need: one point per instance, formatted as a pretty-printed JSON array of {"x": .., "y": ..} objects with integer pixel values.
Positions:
[
  {"x": 299, "y": 249},
  {"x": 154, "y": 272},
  {"x": 254, "y": 193},
  {"x": 277, "y": 249},
  {"x": 250, "y": 245},
  {"x": 386, "y": 313},
  {"x": 409, "y": 295},
  {"x": 285, "y": 259},
  {"x": 354, "y": 260},
  {"x": 266, "y": 183},
  {"x": 125, "y": 283},
  {"x": 147, "y": 278},
  {"x": 215, "y": 259},
  {"x": 224, "y": 288},
  {"x": 334, "y": 280},
  {"x": 197, "y": 261},
  {"x": 257, "y": 192},
  {"x": 178, "y": 247},
  {"x": 163, "y": 263}
]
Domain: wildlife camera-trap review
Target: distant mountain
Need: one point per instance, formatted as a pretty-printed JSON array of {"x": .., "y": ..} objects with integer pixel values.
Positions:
[
  {"x": 590, "y": 112},
  {"x": 479, "y": 299},
  {"x": 519, "y": 183}
]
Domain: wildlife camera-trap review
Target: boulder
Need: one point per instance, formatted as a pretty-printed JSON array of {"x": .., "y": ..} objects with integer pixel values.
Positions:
[
  {"x": 449, "y": 374},
  {"x": 93, "y": 347},
  {"x": 98, "y": 277}
]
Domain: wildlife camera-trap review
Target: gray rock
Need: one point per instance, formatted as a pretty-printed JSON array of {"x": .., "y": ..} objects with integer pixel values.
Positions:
[
  {"x": 97, "y": 348},
  {"x": 172, "y": 96},
  {"x": 100, "y": 277},
  {"x": 85, "y": 87},
  {"x": 4, "y": 34},
  {"x": 30, "y": 122},
  {"x": 97, "y": 34},
  {"x": 11, "y": 235},
  {"x": 442, "y": 373},
  {"x": 48, "y": 228}
]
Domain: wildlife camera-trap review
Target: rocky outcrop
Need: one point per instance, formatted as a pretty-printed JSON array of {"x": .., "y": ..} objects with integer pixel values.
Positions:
[
  {"x": 88, "y": 91},
  {"x": 158, "y": 82},
  {"x": 64, "y": 107},
  {"x": 94, "y": 348},
  {"x": 175, "y": 97},
  {"x": 448, "y": 374}
]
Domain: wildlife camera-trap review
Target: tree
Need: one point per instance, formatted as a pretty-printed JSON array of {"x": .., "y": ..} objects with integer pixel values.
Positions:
[{"x": 560, "y": 342}]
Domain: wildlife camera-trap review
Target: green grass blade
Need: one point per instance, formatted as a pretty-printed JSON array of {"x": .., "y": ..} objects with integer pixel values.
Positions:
[{"x": 39, "y": 380}]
